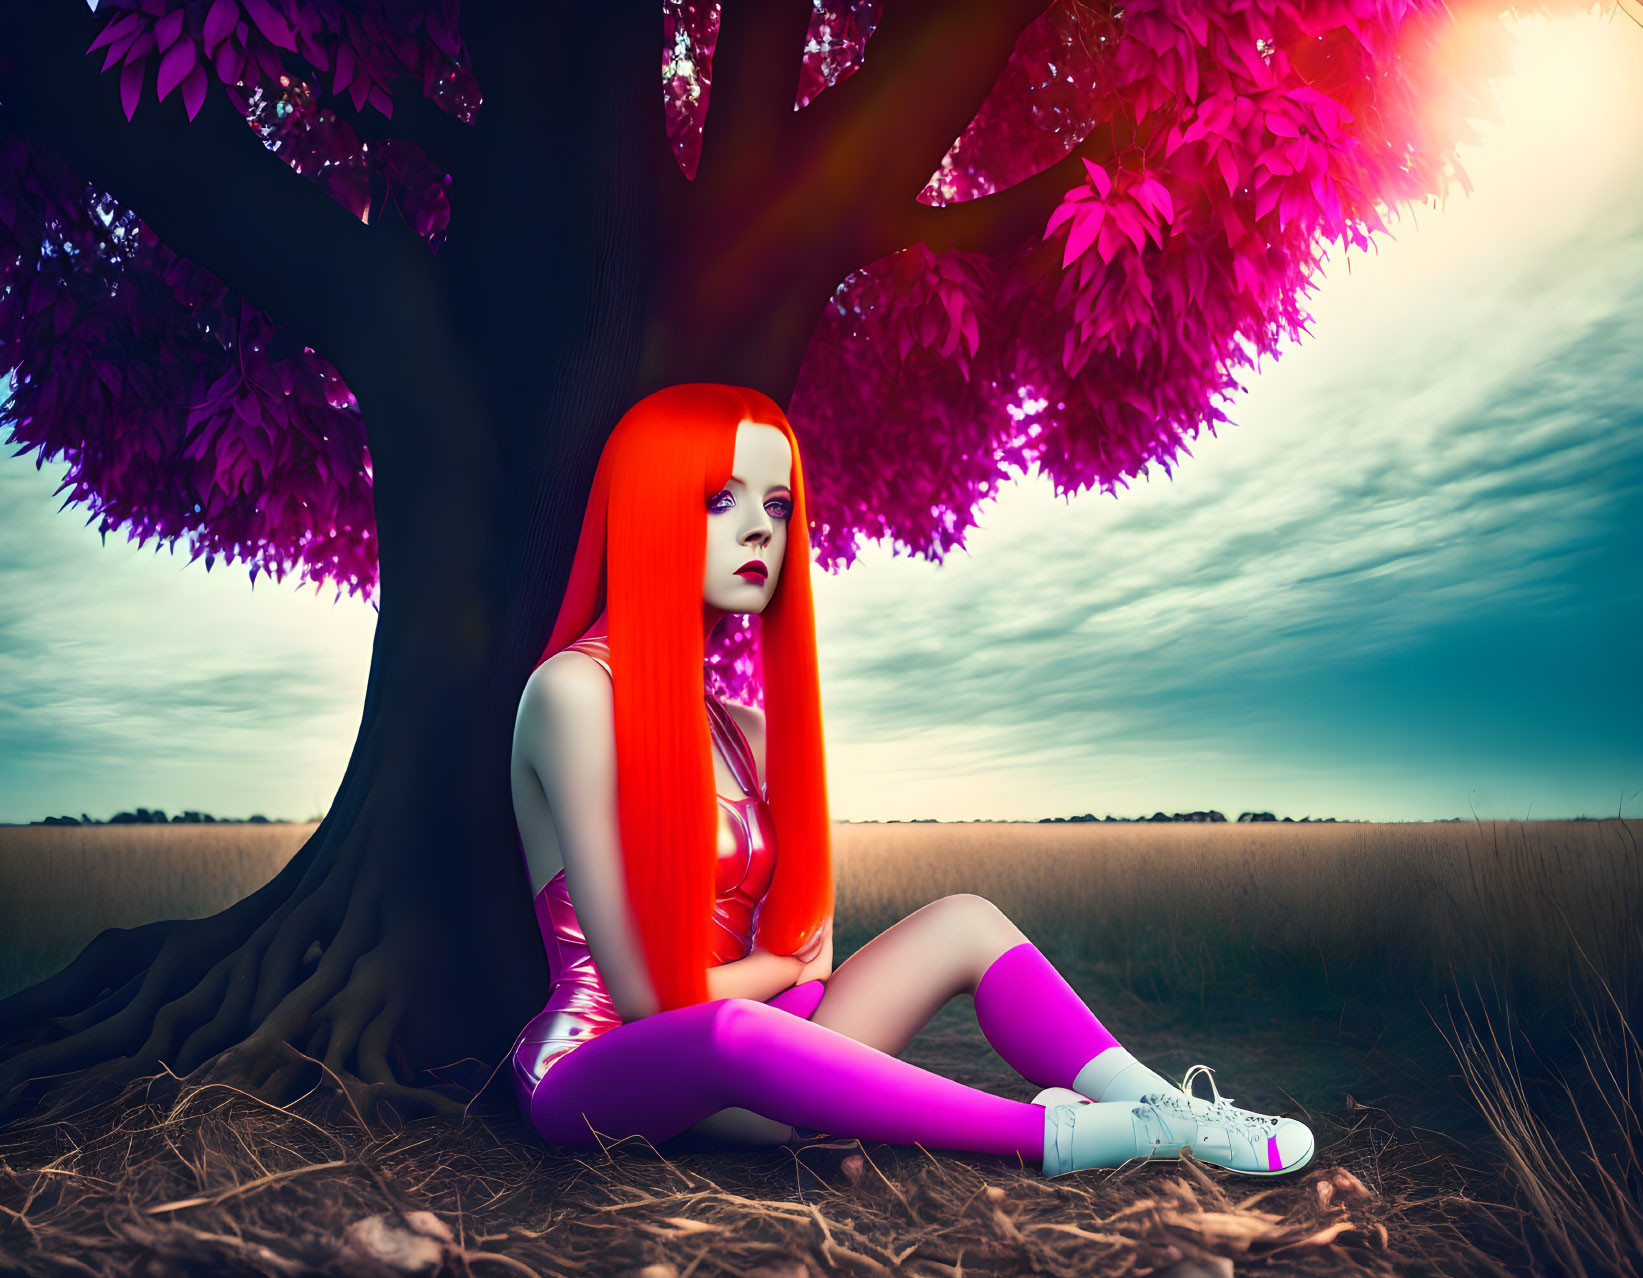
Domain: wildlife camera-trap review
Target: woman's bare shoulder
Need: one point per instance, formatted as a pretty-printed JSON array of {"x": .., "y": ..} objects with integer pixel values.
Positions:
[
  {"x": 569, "y": 687},
  {"x": 568, "y": 673}
]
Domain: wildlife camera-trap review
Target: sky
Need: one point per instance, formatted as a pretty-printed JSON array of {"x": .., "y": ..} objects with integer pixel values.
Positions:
[{"x": 1401, "y": 585}]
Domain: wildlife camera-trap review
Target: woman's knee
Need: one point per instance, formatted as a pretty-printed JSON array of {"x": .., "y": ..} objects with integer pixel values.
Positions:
[
  {"x": 739, "y": 1028},
  {"x": 979, "y": 916}
]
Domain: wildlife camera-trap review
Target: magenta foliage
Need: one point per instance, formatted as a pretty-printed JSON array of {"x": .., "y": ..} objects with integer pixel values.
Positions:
[
  {"x": 350, "y": 53},
  {"x": 833, "y": 48},
  {"x": 1233, "y": 141},
  {"x": 181, "y": 411},
  {"x": 195, "y": 418},
  {"x": 1230, "y": 142}
]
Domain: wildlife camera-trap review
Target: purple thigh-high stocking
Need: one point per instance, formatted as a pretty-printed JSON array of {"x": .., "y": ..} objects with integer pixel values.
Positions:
[
  {"x": 1035, "y": 1020},
  {"x": 656, "y": 1076}
]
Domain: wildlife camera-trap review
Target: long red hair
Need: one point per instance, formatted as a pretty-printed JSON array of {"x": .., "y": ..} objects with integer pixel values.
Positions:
[{"x": 669, "y": 454}]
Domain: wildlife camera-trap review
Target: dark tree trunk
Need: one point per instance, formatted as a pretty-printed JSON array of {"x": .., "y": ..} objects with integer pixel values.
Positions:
[{"x": 581, "y": 272}]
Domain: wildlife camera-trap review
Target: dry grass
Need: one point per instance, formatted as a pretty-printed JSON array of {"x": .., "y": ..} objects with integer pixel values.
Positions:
[
  {"x": 61, "y": 885},
  {"x": 1172, "y": 908},
  {"x": 1152, "y": 924},
  {"x": 1581, "y": 1199},
  {"x": 177, "y": 1178}
]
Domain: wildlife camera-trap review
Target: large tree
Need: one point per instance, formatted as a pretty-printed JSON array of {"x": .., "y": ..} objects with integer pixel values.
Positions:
[{"x": 356, "y": 289}]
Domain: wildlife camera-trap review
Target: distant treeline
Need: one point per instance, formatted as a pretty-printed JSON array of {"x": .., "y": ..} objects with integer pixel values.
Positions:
[
  {"x": 156, "y": 816},
  {"x": 1184, "y": 816},
  {"x": 1156, "y": 816}
]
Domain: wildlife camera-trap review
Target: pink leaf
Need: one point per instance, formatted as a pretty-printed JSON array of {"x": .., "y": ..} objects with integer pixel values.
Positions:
[
  {"x": 1155, "y": 196},
  {"x": 1131, "y": 225},
  {"x": 229, "y": 62},
  {"x": 117, "y": 50},
  {"x": 1063, "y": 211},
  {"x": 271, "y": 24},
  {"x": 1085, "y": 232},
  {"x": 1110, "y": 240},
  {"x": 140, "y": 48},
  {"x": 1098, "y": 178},
  {"x": 117, "y": 29},
  {"x": 219, "y": 22},
  {"x": 175, "y": 65},
  {"x": 1267, "y": 196},
  {"x": 345, "y": 67},
  {"x": 194, "y": 90},
  {"x": 1082, "y": 236},
  {"x": 131, "y": 86},
  {"x": 1289, "y": 204},
  {"x": 1281, "y": 124},
  {"x": 168, "y": 28}
]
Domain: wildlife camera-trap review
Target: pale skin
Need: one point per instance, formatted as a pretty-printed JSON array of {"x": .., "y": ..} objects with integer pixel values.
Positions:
[{"x": 564, "y": 790}]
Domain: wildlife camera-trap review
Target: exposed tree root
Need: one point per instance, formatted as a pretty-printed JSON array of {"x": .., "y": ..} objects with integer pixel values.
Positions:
[{"x": 304, "y": 977}]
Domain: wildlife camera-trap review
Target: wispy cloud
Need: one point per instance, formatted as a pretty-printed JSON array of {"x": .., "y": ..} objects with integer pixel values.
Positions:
[{"x": 128, "y": 677}]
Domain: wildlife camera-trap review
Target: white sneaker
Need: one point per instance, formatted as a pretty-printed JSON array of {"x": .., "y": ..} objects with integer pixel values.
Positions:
[
  {"x": 1080, "y": 1134},
  {"x": 1219, "y": 1132}
]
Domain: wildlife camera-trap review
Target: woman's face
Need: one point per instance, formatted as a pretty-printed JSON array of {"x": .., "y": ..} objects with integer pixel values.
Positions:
[{"x": 747, "y": 522}]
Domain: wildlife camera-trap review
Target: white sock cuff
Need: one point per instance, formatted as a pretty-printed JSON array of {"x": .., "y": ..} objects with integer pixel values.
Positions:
[{"x": 1094, "y": 1079}]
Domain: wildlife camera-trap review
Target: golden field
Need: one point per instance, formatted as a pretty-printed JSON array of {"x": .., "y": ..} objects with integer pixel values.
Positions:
[
  {"x": 1170, "y": 906},
  {"x": 1165, "y": 907},
  {"x": 60, "y": 885}
]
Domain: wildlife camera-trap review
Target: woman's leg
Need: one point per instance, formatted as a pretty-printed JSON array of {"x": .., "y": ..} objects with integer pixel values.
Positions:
[
  {"x": 742, "y": 1127},
  {"x": 656, "y": 1076},
  {"x": 888, "y": 990}
]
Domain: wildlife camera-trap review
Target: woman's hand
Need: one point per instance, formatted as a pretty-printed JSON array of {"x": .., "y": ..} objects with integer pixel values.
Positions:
[{"x": 819, "y": 964}]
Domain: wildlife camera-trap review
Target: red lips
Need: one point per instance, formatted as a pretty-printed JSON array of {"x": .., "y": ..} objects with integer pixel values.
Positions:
[{"x": 753, "y": 570}]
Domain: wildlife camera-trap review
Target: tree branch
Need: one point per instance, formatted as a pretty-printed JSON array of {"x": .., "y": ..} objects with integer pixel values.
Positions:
[
  {"x": 551, "y": 75},
  {"x": 926, "y": 70},
  {"x": 207, "y": 187},
  {"x": 755, "y": 83},
  {"x": 1005, "y": 219}
]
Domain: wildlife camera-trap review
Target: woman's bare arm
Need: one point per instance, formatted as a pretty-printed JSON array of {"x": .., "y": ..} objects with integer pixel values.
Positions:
[
  {"x": 569, "y": 735},
  {"x": 761, "y": 975}
]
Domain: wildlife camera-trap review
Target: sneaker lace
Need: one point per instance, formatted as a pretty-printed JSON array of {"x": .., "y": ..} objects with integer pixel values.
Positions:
[
  {"x": 1186, "y": 1085},
  {"x": 1253, "y": 1125}
]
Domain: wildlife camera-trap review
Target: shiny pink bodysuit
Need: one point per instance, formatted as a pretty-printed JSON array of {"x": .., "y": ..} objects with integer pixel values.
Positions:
[{"x": 579, "y": 1007}]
